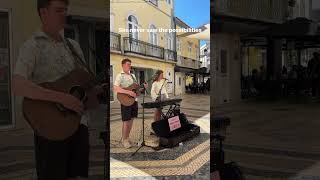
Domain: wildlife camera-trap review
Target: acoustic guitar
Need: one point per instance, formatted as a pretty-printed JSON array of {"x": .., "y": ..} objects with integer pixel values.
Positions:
[
  {"x": 126, "y": 99},
  {"x": 52, "y": 120}
]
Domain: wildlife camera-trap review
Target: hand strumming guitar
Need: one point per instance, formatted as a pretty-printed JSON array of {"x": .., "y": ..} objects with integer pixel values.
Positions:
[
  {"x": 132, "y": 94},
  {"x": 26, "y": 88},
  {"x": 145, "y": 86},
  {"x": 72, "y": 103}
]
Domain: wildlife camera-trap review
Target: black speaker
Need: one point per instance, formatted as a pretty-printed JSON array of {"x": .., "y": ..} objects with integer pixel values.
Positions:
[
  {"x": 162, "y": 128},
  {"x": 190, "y": 131}
]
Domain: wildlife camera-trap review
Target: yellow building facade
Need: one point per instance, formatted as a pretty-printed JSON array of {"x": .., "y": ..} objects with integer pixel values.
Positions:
[
  {"x": 19, "y": 19},
  {"x": 138, "y": 32},
  {"x": 187, "y": 58}
]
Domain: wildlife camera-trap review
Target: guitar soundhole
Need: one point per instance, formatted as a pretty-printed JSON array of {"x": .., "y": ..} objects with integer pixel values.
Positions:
[{"x": 78, "y": 92}]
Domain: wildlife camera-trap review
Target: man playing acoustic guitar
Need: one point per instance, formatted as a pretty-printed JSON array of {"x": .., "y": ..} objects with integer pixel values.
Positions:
[
  {"x": 122, "y": 81},
  {"x": 47, "y": 57}
]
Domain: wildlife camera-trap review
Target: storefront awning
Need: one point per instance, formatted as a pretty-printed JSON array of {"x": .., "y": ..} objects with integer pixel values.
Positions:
[
  {"x": 298, "y": 33},
  {"x": 203, "y": 35},
  {"x": 183, "y": 69},
  {"x": 295, "y": 28},
  {"x": 202, "y": 71}
]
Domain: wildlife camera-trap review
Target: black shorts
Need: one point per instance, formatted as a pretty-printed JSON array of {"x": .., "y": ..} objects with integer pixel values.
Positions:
[
  {"x": 62, "y": 159},
  {"x": 129, "y": 112}
]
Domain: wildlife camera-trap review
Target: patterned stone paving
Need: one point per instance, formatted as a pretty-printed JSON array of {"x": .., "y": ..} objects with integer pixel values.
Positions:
[
  {"x": 187, "y": 161},
  {"x": 17, "y": 155}
]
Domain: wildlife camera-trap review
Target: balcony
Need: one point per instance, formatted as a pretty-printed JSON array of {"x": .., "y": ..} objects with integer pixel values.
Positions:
[
  {"x": 188, "y": 63},
  {"x": 273, "y": 11},
  {"x": 135, "y": 46},
  {"x": 170, "y": 55},
  {"x": 115, "y": 41}
]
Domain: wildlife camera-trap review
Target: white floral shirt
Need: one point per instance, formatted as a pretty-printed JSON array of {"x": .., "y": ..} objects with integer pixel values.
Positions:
[
  {"x": 41, "y": 59},
  {"x": 124, "y": 80}
]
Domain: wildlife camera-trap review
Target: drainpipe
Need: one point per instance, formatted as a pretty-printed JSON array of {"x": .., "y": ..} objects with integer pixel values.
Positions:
[
  {"x": 173, "y": 25},
  {"x": 174, "y": 82}
]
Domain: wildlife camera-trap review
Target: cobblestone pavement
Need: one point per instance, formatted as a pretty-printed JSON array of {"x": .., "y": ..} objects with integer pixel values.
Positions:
[
  {"x": 17, "y": 152},
  {"x": 274, "y": 140},
  {"x": 187, "y": 161}
]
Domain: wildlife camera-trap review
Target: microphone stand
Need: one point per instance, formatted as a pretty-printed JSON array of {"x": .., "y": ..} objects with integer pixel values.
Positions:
[
  {"x": 159, "y": 94},
  {"x": 143, "y": 141}
]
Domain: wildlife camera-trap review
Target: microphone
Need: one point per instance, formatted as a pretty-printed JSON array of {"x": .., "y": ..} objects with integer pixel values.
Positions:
[{"x": 167, "y": 80}]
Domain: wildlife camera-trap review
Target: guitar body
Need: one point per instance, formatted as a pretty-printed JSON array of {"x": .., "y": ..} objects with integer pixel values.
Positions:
[
  {"x": 126, "y": 99},
  {"x": 52, "y": 121}
]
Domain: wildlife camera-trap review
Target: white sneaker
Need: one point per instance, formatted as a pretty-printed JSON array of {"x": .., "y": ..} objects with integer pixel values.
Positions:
[{"x": 126, "y": 143}]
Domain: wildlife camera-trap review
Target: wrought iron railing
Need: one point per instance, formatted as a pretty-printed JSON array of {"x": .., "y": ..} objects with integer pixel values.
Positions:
[
  {"x": 115, "y": 41},
  {"x": 188, "y": 62},
  {"x": 143, "y": 48},
  {"x": 170, "y": 55},
  {"x": 263, "y": 10}
]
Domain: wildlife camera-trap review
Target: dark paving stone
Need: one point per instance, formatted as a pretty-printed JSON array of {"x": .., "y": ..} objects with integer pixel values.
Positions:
[
  {"x": 201, "y": 174},
  {"x": 168, "y": 154}
]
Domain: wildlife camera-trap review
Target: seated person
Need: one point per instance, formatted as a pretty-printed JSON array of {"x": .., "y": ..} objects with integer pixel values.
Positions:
[{"x": 157, "y": 85}]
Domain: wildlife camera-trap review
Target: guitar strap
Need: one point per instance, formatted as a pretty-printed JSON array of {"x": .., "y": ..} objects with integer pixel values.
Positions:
[
  {"x": 133, "y": 78},
  {"x": 77, "y": 58},
  {"x": 80, "y": 63}
]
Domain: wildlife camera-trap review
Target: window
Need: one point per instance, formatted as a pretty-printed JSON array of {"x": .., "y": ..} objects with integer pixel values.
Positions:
[
  {"x": 111, "y": 22},
  {"x": 5, "y": 95},
  {"x": 133, "y": 27},
  {"x": 169, "y": 41},
  {"x": 168, "y": 1},
  {"x": 179, "y": 81},
  {"x": 190, "y": 49},
  {"x": 94, "y": 32},
  {"x": 197, "y": 53},
  {"x": 178, "y": 45},
  {"x": 153, "y": 35}
]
